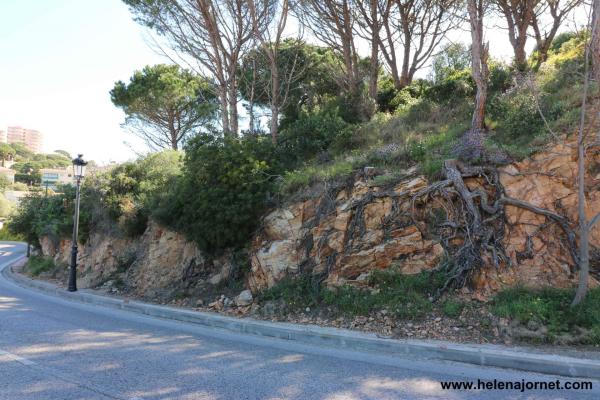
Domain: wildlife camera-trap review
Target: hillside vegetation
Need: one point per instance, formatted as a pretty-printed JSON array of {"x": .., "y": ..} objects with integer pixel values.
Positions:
[{"x": 217, "y": 189}]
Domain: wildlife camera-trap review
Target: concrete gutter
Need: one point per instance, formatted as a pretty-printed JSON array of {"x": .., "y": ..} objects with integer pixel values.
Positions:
[{"x": 484, "y": 355}]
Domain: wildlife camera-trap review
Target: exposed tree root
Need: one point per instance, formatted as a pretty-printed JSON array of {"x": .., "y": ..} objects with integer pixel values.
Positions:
[{"x": 473, "y": 231}]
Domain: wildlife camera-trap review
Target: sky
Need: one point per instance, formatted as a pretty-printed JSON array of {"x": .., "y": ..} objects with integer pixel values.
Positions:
[
  {"x": 58, "y": 61},
  {"x": 60, "y": 58}
]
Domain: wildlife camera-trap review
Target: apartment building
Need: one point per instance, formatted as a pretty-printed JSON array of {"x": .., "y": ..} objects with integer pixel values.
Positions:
[{"x": 30, "y": 138}]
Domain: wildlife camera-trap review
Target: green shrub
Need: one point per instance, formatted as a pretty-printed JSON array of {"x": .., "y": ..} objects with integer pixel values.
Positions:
[
  {"x": 132, "y": 190},
  {"x": 37, "y": 264},
  {"x": 37, "y": 216},
  {"x": 455, "y": 85},
  {"x": 6, "y": 207},
  {"x": 223, "y": 191},
  {"x": 311, "y": 134},
  {"x": 517, "y": 115},
  {"x": 386, "y": 91},
  {"x": 501, "y": 77},
  {"x": 19, "y": 186},
  {"x": 355, "y": 107}
]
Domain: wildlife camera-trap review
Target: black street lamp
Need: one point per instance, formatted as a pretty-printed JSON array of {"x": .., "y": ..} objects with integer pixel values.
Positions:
[{"x": 78, "y": 173}]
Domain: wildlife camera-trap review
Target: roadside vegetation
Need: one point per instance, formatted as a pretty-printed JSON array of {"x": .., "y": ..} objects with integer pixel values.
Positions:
[
  {"x": 39, "y": 264},
  {"x": 402, "y": 296},
  {"x": 547, "y": 316}
]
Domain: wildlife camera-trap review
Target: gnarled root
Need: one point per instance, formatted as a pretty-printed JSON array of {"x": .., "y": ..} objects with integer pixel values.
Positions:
[{"x": 473, "y": 230}]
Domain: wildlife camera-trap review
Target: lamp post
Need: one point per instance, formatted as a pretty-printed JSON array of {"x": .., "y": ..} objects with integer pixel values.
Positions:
[{"x": 78, "y": 173}]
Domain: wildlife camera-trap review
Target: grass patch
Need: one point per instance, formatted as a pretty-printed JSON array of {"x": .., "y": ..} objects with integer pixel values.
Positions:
[
  {"x": 298, "y": 293},
  {"x": 551, "y": 308},
  {"x": 306, "y": 176},
  {"x": 38, "y": 264},
  {"x": 403, "y": 296},
  {"x": 452, "y": 308}
]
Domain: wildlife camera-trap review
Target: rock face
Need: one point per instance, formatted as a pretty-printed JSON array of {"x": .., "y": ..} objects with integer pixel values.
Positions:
[
  {"x": 343, "y": 235},
  {"x": 537, "y": 248},
  {"x": 155, "y": 264}
]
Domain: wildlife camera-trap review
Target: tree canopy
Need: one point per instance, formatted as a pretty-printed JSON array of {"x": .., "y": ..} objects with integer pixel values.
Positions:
[{"x": 165, "y": 105}]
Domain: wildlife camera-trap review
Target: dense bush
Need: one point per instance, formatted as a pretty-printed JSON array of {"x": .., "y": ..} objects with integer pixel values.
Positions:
[
  {"x": 132, "y": 190},
  {"x": 455, "y": 85},
  {"x": 517, "y": 115},
  {"x": 312, "y": 134},
  {"x": 118, "y": 201},
  {"x": 39, "y": 216},
  {"x": 223, "y": 191}
]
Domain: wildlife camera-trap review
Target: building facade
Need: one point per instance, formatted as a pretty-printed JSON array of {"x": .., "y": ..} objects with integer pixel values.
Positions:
[
  {"x": 29, "y": 138},
  {"x": 52, "y": 177}
]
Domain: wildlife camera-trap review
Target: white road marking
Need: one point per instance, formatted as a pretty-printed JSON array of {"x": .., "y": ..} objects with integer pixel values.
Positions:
[{"x": 16, "y": 358}]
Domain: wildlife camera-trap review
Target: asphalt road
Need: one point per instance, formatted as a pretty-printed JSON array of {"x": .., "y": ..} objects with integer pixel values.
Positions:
[{"x": 51, "y": 348}]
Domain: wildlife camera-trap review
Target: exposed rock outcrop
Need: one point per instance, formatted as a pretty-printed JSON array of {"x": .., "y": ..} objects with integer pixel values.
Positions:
[
  {"x": 155, "y": 264},
  {"x": 535, "y": 245},
  {"x": 343, "y": 235}
]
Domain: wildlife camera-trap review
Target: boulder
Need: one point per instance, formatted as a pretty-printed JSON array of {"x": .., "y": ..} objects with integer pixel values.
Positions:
[{"x": 244, "y": 298}]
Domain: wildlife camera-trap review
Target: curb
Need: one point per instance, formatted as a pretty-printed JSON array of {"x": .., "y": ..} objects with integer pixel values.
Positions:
[{"x": 483, "y": 355}]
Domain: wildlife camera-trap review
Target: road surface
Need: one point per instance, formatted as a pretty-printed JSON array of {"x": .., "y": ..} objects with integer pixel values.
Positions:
[{"x": 52, "y": 348}]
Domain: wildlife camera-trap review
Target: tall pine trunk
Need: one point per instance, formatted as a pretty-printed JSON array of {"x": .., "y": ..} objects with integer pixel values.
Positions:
[{"x": 479, "y": 67}]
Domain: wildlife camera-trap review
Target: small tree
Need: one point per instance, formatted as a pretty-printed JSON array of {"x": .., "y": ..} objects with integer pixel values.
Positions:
[{"x": 164, "y": 104}]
